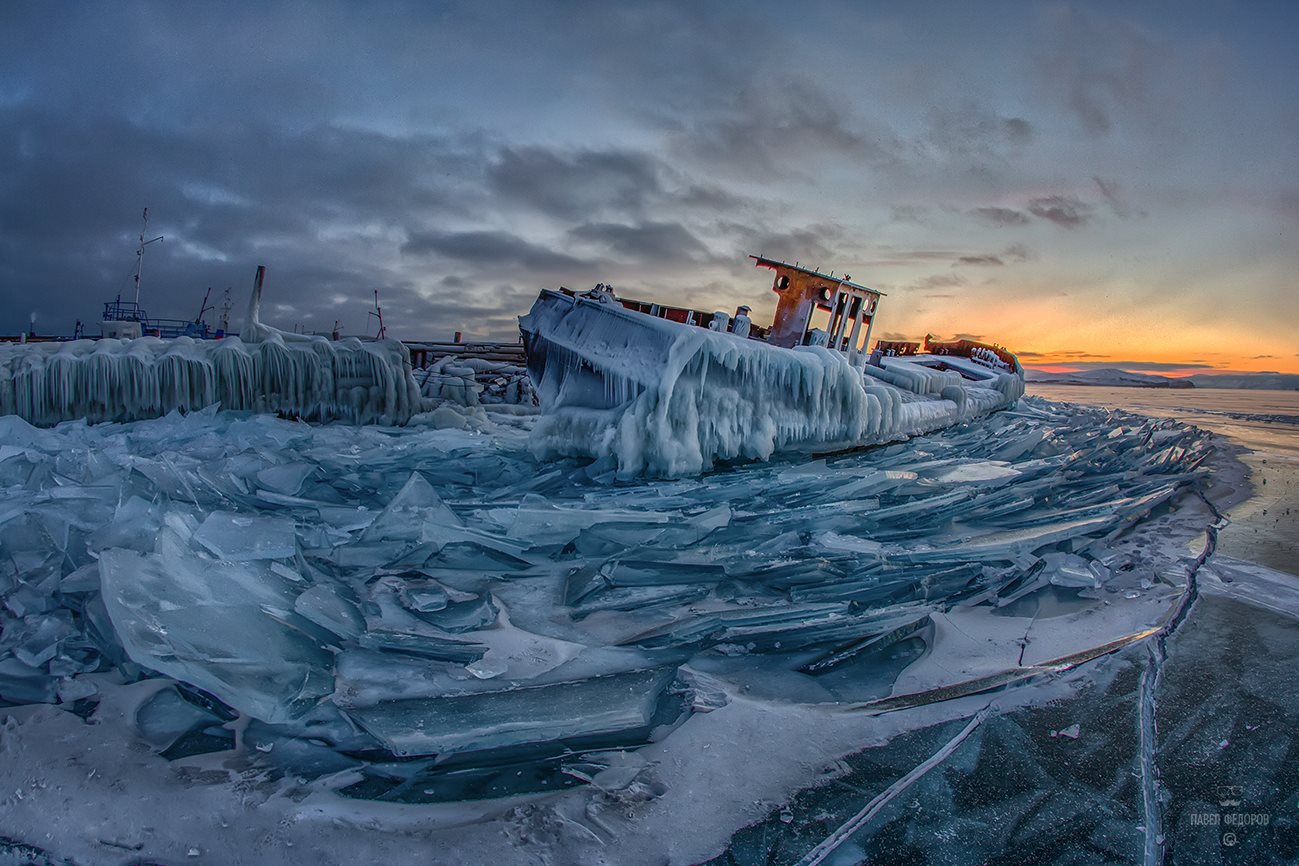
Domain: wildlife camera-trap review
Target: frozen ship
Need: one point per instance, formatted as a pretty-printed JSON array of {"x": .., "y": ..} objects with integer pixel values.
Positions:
[
  {"x": 669, "y": 391},
  {"x": 127, "y": 320}
]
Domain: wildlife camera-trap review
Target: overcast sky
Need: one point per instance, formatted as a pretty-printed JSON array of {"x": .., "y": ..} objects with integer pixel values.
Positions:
[{"x": 1083, "y": 182}]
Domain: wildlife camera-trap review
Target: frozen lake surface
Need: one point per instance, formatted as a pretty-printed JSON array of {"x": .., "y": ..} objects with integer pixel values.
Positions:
[
  {"x": 1266, "y": 423},
  {"x": 233, "y": 639}
]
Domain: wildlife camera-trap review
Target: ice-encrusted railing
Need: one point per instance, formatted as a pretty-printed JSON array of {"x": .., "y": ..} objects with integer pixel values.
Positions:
[
  {"x": 265, "y": 370},
  {"x": 344, "y": 597}
]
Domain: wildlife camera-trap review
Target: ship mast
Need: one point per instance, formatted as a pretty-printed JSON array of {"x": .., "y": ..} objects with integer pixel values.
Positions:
[
  {"x": 139, "y": 255},
  {"x": 377, "y": 313}
]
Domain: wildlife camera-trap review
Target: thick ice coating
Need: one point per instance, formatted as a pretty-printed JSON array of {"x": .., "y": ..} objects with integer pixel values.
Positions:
[
  {"x": 665, "y": 399},
  {"x": 265, "y": 370}
]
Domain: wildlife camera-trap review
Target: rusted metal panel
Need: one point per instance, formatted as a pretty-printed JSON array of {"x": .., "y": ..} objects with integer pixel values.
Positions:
[{"x": 802, "y": 291}]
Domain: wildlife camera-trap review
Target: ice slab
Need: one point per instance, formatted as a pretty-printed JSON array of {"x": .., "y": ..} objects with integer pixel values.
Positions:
[
  {"x": 244, "y": 537},
  {"x": 415, "y": 513},
  {"x": 166, "y": 717},
  {"x": 611, "y": 704},
  {"x": 417, "y": 566},
  {"x": 331, "y": 607},
  {"x": 21, "y": 683},
  {"x": 423, "y": 645},
  {"x": 225, "y": 627},
  {"x": 287, "y": 479}
]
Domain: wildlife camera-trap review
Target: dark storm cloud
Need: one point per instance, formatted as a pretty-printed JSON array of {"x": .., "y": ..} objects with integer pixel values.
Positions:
[
  {"x": 647, "y": 241},
  {"x": 782, "y": 128},
  {"x": 910, "y": 213},
  {"x": 287, "y": 180},
  {"x": 576, "y": 185},
  {"x": 970, "y": 131},
  {"x": 1063, "y": 210},
  {"x": 886, "y": 254},
  {"x": 225, "y": 199},
  {"x": 1001, "y": 216},
  {"x": 710, "y": 197},
  {"x": 1012, "y": 253},
  {"x": 1099, "y": 68},
  {"x": 810, "y": 245},
  {"x": 585, "y": 185},
  {"x": 489, "y": 308},
  {"x": 1017, "y": 129},
  {"x": 1134, "y": 366},
  {"x": 939, "y": 281},
  {"x": 1118, "y": 203},
  {"x": 490, "y": 248}
]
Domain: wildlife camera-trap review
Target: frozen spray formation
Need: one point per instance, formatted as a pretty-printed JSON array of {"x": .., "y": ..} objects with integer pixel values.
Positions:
[
  {"x": 667, "y": 400},
  {"x": 263, "y": 370}
]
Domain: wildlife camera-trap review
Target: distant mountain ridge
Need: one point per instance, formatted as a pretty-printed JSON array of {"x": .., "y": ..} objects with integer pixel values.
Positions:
[
  {"x": 1259, "y": 381},
  {"x": 1112, "y": 377},
  {"x": 1107, "y": 377}
]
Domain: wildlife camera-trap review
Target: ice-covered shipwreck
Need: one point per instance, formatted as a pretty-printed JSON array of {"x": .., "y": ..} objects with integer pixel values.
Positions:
[{"x": 669, "y": 391}]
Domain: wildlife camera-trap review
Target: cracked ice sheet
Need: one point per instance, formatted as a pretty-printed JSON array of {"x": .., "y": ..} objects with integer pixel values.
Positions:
[
  {"x": 1256, "y": 584},
  {"x": 233, "y": 813},
  {"x": 969, "y": 643}
]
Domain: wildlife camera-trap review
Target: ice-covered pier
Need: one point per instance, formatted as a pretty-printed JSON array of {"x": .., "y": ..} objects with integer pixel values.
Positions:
[{"x": 262, "y": 370}]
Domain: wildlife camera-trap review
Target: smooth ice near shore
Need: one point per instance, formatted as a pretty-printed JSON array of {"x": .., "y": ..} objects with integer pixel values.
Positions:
[
  {"x": 435, "y": 576},
  {"x": 664, "y": 399}
]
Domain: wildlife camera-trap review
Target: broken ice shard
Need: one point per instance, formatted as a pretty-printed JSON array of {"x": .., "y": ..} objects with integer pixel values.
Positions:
[
  {"x": 286, "y": 479},
  {"x": 478, "y": 612},
  {"x": 602, "y": 705},
  {"x": 416, "y": 513},
  {"x": 331, "y": 607},
  {"x": 166, "y": 717},
  {"x": 245, "y": 537},
  {"x": 425, "y": 646},
  {"x": 225, "y": 627},
  {"x": 23, "y": 684}
]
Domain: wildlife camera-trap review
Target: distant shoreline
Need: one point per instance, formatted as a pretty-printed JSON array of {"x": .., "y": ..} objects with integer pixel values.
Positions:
[
  {"x": 1111, "y": 377},
  {"x": 1086, "y": 384}
]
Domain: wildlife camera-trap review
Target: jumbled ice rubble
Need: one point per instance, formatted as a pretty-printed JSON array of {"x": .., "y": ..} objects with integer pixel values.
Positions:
[{"x": 429, "y": 614}]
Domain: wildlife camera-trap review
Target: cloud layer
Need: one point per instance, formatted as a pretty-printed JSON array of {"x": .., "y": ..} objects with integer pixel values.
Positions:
[{"x": 1048, "y": 176}]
